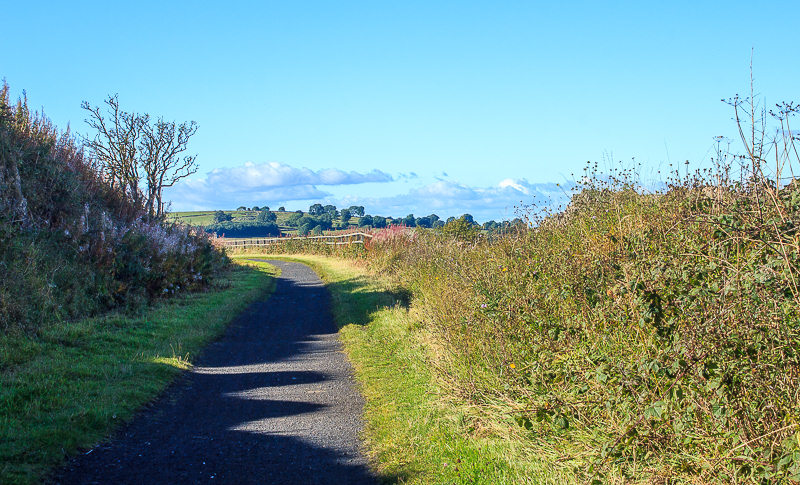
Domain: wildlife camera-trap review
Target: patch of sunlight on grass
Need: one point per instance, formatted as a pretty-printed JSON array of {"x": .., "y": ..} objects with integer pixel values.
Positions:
[
  {"x": 68, "y": 387},
  {"x": 177, "y": 362}
]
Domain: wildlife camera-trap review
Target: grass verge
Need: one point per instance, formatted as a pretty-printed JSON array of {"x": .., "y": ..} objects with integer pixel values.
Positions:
[
  {"x": 75, "y": 382},
  {"x": 414, "y": 434}
]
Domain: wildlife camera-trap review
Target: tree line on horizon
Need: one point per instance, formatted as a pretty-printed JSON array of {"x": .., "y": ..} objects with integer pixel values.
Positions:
[{"x": 321, "y": 218}]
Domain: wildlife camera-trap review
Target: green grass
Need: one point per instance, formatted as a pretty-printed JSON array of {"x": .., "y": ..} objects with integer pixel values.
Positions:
[
  {"x": 195, "y": 218},
  {"x": 70, "y": 386},
  {"x": 414, "y": 435}
]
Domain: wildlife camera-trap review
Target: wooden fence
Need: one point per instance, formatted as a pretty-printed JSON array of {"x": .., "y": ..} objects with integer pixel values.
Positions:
[{"x": 341, "y": 239}]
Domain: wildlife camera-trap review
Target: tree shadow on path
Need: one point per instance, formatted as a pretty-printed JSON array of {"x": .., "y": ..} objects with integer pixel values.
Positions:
[{"x": 272, "y": 401}]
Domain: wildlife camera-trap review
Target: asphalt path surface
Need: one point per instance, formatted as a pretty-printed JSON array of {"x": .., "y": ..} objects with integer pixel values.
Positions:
[{"x": 273, "y": 401}]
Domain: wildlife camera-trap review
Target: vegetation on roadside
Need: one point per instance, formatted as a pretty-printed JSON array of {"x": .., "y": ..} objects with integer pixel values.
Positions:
[
  {"x": 413, "y": 435},
  {"x": 647, "y": 336},
  {"x": 73, "y": 240},
  {"x": 638, "y": 335},
  {"x": 68, "y": 387}
]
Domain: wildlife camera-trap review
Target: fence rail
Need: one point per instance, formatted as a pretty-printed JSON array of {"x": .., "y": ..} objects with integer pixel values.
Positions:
[{"x": 337, "y": 240}]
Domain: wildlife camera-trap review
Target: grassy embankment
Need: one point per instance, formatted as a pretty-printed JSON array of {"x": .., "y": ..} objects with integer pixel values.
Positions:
[
  {"x": 76, "y": 246},
  {"x": 414, "y": 434},
  {"x": 72, "y": 243},
  {"x": 70, "y": 385}
]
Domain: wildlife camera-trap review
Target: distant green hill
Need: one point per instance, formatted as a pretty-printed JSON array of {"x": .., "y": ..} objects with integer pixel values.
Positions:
[{"x": 206, "y": 218}]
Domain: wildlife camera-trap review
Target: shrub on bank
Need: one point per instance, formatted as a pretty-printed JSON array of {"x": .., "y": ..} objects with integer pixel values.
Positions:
[
  {"x": 653, "y": 333},
  {"x": 634, "y": 334},
  {"x": 71, "y": 244}
]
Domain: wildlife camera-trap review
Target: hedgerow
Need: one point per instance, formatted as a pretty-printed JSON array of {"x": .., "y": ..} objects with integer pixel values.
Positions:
[
  {"x": 70, "y": 244},
  {"x": 646, "y": 335}
]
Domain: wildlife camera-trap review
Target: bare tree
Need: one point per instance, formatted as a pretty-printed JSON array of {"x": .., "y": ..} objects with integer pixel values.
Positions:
[
  {"x": 115, "y": 145},
  {"x": 162, "y": 145},
  {"x": 139, "y": 158}
]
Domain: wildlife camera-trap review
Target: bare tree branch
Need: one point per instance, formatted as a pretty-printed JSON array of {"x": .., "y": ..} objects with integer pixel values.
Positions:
[
  {"x": 139, "y": 158},
  {"x": 162, "y": 145}
]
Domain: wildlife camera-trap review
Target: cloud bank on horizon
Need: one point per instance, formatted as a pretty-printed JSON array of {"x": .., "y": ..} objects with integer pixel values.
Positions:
[
  {"x": 505, "y": 200},
  {"x": 277, "y": 184}
]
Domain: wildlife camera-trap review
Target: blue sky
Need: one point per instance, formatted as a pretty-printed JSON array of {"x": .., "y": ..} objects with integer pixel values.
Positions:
[{"x": 406, "y": 107}]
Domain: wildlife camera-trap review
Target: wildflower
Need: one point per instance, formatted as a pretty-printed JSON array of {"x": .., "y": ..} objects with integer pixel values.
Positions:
[
  {"x": 484, "y": 305},
  {"x": 512, "y": 365}
]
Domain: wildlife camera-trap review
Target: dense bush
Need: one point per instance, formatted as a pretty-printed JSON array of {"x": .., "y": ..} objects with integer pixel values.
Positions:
[
  {"x": 660, "y": 332},
  {"x": 267, "y": 216},
  {"x": 70, "y": 245},
  {"x": 222, "y": 216}
]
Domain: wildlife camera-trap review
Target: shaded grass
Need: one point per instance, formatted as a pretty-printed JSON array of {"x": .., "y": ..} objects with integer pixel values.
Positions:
[
  {"x": 413, "y": 433},
  {"x": 69, "y": 387}
]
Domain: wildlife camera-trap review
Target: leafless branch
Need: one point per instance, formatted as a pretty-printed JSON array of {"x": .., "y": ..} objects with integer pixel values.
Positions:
[{"x": 137, "y": 157}]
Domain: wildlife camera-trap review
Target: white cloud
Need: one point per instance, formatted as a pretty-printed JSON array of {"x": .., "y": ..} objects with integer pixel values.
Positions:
[
  {"x": 276, "y": 184},
  {"x": 258, "y": 184},
  {"x": 447, "y": 198},
  {"x": 514, "y": 185},
  {"x": 255, "y": 177}
]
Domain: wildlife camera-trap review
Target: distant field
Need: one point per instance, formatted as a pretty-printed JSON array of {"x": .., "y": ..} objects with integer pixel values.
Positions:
[
  {"x": 205, "y": 218},
  {"x": 198, "y": 218}
]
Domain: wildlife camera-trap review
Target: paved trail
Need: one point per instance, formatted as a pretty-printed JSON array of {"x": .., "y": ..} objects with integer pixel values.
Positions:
[{"x": 273, "y": 401}]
